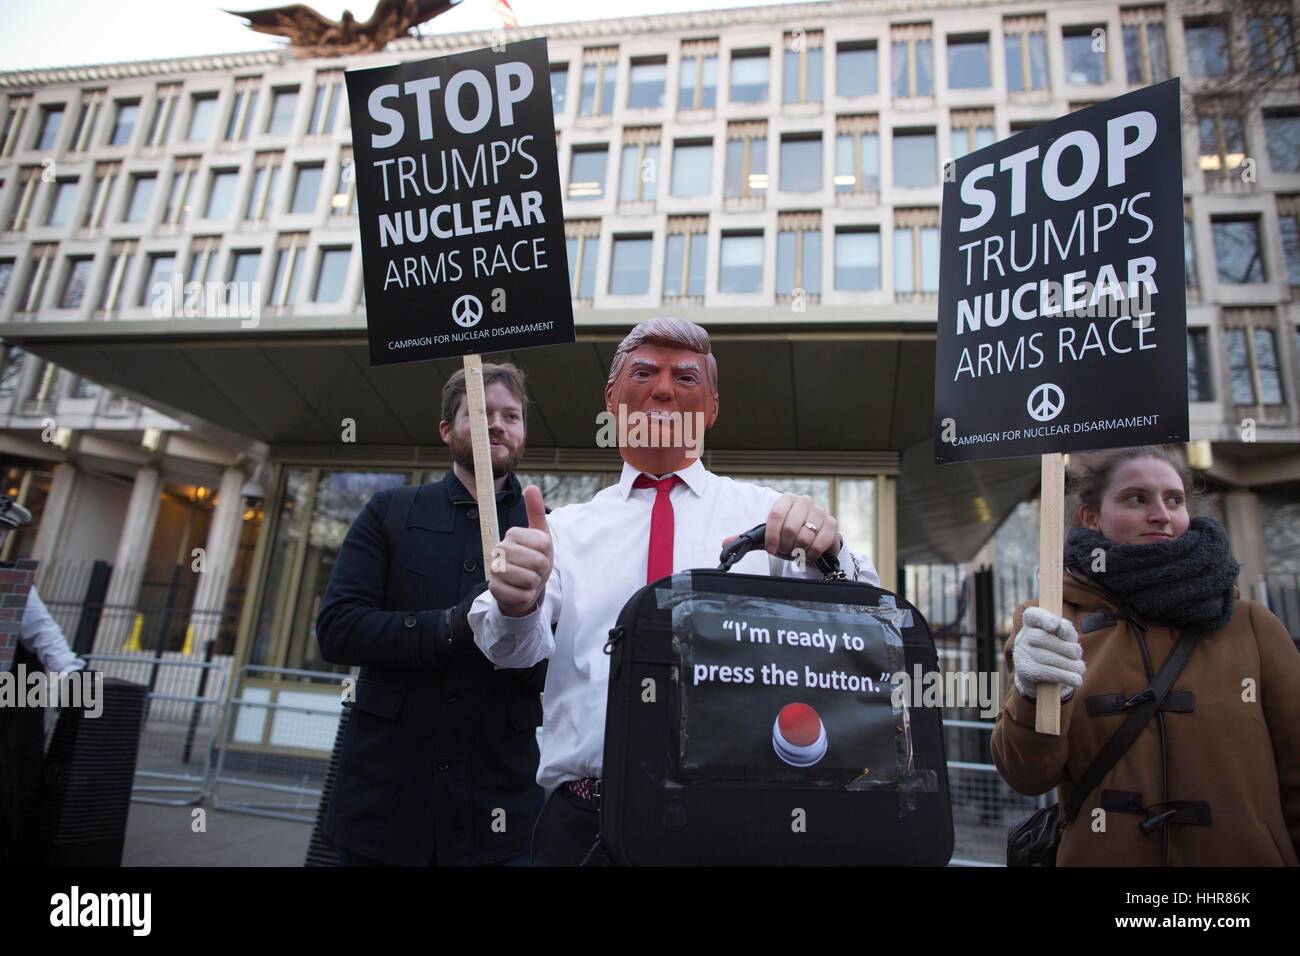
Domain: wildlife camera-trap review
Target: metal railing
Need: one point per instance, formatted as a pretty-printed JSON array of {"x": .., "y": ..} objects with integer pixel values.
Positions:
[
  {"x": 276, "y": 739},
  {"x": 181, "y": 711}
]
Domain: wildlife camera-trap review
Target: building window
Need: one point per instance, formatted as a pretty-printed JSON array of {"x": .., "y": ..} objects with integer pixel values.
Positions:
[
  {"x": 332, "y": 274},
  {"x": 325, "y": 102},
  {"x": 599, "y": 71},
  {"x": 629, "y": 267},
  {"x": 86, "y": 388},
  {"x": 245, "y": 264},
  {"x": 51, "y": 118},
  {"x": 749, "y": 76},
  {"x": 178, "y": 197},
  {"x": 261, "y": 196},
  {"x": 697, "y": 87},
  {"x": 686, "y": 256},
  {"x": 857, "y": 154},
  {"x": 740, "y": 268},
  {"x": 856, "y": 69},
  {"x": 559, "y": 87},
  {"x": 916, "y": 161},
  {"x": 38, "y": 272},
  {"x": 971, "y": 130},
  {"x": 1025, "y": 41},
  {"x": 968, "y": 62},
  {"x": 106, "y": 176},
  {"x": 582, "y": 238},
  {"x": 344, "y": 200},
  {"x": 639, "y": 170},
  {"x": 857, "y": 259},
  {"x": 587, "y": 168},
  {"x": 746, "y": 173},
  {"x": 1222, "y": 142},
  {"x": 1272, "y": 44},
  {"x": 91, "y": 103},
  {"x": 1288, "y": 216},
  {"x": 801, "y": 72},
  {"x": 203, "y": 110},
  {"x": 911, "y": 53},
  {"x": 119, "y": 263},
  {"x": 124, "y": 120},
  {"x": 161, "y": 267},
  {"x": 801, "y": 163},
  {"x": 916, "y": 251},
  {"x": 242, "y": 108},
  {"x": 646, "y": 82},
  {"x": 15, "y": 116},
  {"x": 1146, "y": 55},
  {"x": 164, "y": 110},
  {"x": 1207, "y": 47},
  {"x": 74, "y": 281},
  {"x": 30, "y": 178},
  {"x": 6, "y": 275},
  {"x": 306, "y": 187},
  {"x": 1085, "y": 55},
  {"x": 1282, "y": 132},
  {"x": 289, "y": 251},
  {"x": 13, "y": 366},
  {"x": 692, "y": 168},
  {"x": 1189, "y": 254},
  {"x": 137, "y": 207},
  {"x": 284, "y": 103},
  {"x": 203, "y": 253},
  {"x": 1254, "y": 373},
  {"x": 61, "y": 202},
  {"x": 799, "y": 253},
  {"x": 1237, "y": 251},
  {"x": 221, "y": 194},
  {"x": 1200, "y": 384}
]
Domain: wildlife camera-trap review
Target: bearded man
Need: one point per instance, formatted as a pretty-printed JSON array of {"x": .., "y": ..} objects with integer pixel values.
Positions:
[
  {"x": 566, "y": 579},
  {"x": 440, "y": 753}
]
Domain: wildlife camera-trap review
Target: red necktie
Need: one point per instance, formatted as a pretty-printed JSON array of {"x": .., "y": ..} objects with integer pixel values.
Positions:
[{"x": 660, "y": 560}]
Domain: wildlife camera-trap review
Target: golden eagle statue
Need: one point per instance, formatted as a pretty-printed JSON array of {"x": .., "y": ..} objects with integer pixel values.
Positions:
[{"x": 311, "y": 34}]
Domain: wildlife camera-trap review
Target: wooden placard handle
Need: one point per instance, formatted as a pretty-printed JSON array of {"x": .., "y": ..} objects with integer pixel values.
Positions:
[
  {"x": 1051, "y": 532},
  {"x": 484, "y": 487}
]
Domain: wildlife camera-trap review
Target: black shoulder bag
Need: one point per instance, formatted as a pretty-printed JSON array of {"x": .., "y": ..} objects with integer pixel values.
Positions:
[{"x": 1032, "y": 839}]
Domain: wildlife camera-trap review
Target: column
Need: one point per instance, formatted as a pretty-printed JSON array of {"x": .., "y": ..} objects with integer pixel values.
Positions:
[
  {"x": 219, "y": 553},
  {"x": 1241, "y": 509},
  {"x": 57, "y": 513},
  {"x": 129, "y": 562}
]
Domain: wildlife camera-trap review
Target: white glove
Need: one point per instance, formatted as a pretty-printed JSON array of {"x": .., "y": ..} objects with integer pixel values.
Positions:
[{"x": 1047, "y": 651}]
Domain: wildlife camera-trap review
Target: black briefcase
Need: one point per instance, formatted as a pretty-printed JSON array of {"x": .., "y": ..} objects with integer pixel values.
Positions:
[{"x": 755, "y": 720}]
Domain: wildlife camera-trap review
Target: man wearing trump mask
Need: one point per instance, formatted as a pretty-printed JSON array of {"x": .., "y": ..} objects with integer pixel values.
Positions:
[{"x": 568, "y": 574}]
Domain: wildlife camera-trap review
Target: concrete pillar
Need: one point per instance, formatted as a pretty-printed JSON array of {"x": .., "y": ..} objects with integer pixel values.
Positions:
[
  {"x": 1241, "y": 509},
  {"x": 58, "y": 512},
  {"x": 130, "y": 562},
  {"x": 219, "y": 553},
  {"x": 886, "y": 556}
]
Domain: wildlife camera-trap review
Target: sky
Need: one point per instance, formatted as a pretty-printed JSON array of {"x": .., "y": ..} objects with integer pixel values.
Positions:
[{"x": 82, "y": 32}]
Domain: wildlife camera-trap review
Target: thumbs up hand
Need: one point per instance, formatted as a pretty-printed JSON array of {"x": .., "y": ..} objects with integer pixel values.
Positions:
[{"x": 519, "y": 587}]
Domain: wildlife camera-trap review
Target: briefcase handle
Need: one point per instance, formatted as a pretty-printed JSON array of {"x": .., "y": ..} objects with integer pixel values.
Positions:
[{"x": 828, "y": 564}]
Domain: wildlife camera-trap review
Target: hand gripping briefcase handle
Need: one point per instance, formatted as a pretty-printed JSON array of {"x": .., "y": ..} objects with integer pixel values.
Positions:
[{"x": 828, "y": 564}]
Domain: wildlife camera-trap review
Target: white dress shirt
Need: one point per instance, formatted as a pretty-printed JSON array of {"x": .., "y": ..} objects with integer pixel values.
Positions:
[
  {"x": 42, "y": 636},
  {"x": 601, "y": 550}
]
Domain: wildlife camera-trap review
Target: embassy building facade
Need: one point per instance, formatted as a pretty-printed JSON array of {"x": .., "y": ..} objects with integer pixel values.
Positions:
[{"x": 772, "y": 173}]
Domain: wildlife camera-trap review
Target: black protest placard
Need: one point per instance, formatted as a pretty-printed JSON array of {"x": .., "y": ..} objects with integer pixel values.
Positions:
[
  {"x": 458, "y": 188},
  {"x": 1062, "y": 320},
  {"x": 789, "y": 694}
]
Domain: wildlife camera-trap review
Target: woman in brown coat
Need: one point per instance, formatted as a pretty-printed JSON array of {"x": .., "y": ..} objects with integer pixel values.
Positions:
[{"x": 1214, "y": 777}]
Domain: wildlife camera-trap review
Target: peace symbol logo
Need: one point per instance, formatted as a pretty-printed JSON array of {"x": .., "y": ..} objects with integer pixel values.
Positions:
[
  {"x": 467, "y": 310},
  {"x": 1045, "y": 402}
]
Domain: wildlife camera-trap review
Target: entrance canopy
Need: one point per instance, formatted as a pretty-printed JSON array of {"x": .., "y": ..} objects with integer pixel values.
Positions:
[{"x": 818, "y": 395}]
